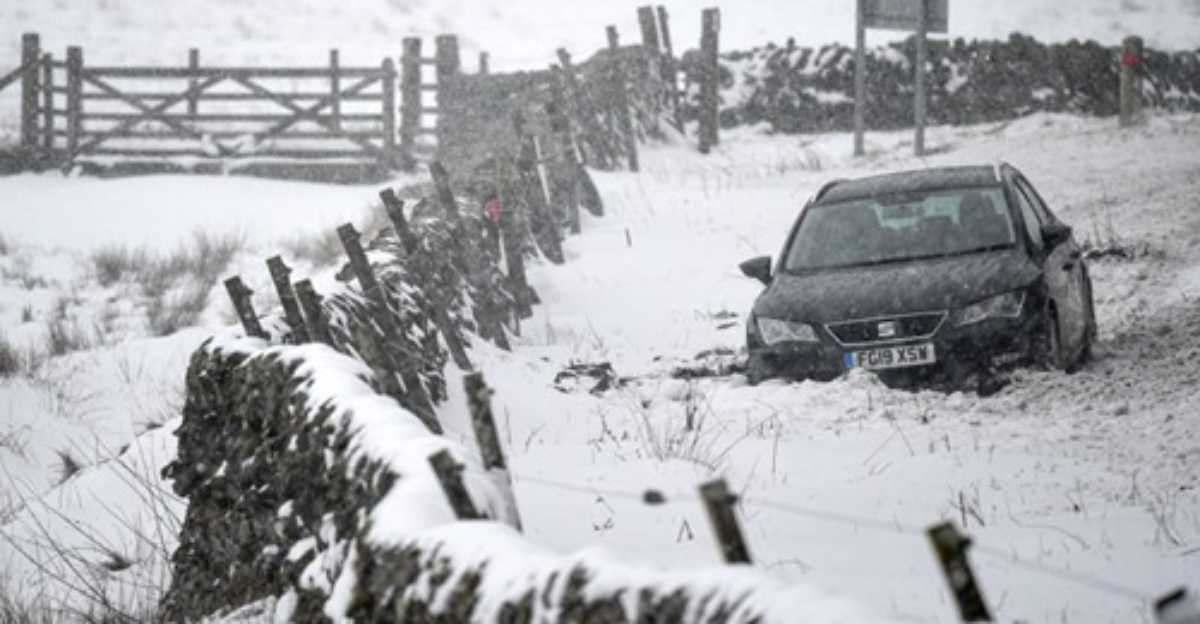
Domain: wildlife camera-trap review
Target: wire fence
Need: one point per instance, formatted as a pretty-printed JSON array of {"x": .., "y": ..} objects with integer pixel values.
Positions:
[{"x": 651, "y": 496}]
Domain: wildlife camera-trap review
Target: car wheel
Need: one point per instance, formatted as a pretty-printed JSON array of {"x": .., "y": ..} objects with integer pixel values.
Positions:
[
  {"x": 757, "y": 371},
  {"x": 1050, "y": 352},
  {"x": 1090, "y": 331}
]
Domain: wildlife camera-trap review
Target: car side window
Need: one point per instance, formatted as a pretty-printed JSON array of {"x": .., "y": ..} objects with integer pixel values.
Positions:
[
  {"x": 1043, "y": 213},
  {"x": 1033, "y": 224}
]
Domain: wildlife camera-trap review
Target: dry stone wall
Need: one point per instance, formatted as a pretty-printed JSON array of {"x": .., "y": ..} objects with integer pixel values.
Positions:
[{"x": 800, "y": 89}]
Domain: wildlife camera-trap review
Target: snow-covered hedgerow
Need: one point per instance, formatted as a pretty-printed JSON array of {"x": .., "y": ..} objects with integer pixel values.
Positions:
[{"x": 800, "y": 89}]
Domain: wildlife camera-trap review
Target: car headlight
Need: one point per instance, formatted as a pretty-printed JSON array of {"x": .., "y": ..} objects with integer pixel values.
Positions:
[
  {"x": 774, "y": 331},
  {"x": 1007, "y": 305}
]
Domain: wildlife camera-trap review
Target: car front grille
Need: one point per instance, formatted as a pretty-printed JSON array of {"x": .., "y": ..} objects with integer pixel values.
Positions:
[{"x": 906, "y": 327}]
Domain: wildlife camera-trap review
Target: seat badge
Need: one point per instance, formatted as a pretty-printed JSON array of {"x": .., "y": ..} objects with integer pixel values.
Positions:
[{"x": 887, "y": 329}]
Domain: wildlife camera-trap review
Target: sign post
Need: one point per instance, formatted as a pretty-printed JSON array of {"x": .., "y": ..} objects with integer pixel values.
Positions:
[
  {"x": 860, "y": 75},
  {"x": 919, "y": 16}
]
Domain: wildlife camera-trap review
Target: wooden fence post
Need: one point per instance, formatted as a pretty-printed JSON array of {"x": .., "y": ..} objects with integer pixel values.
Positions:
[
  {"x": 240, "y": 294},
  {"x": 74, "y": 99},
  {"x": 280, "y": 275},
  {"x": 1130, "y": 83},
  {"x": 620, "y": 99},
  {"x": 670, "y": 68},
  {"x": 483, "y": 63},
  {"x": 47, "y": 103},
  {"x": 590, "y": 130},
  {"x": 566, "y": 179},
  {"x": 479, "y": 399},
  {"x": 410, "y": 100},
  {"x": 449, "y": 476},
  {"x": 388, "y": 86},
  {"x": 335, "y": 91},
  {"x": 193, "y": 103},
  {"x": 31, "y": 54},
  {"x": 950, "y": 547},
  {"x": 444, "y": 194},
  {"x": 399, "y": 363},
  {"x": 314, "y": 314},
  {"x": 718, "y": 502},
  {"x": 518, "y": 283},
  {"x": 438, "y": 300},
  {"x": 447, "y": 60},
  {"x": 649, "y": 28},
  {"x": 395, "y": 211},
  {"x": 543, "y": 226},
  {"x": 710, "y": 81}
]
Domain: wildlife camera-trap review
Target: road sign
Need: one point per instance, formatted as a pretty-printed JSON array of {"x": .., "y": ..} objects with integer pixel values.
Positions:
[
  {"x": 920, "y": 16},
  {"x": 906, "y": 14}
]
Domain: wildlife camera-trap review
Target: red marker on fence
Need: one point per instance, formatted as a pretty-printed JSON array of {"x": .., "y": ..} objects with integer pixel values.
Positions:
[{"x": 493, "y": 208}]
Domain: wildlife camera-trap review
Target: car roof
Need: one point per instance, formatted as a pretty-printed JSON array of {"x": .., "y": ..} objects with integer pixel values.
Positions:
[{"x": 911, "y": 181}]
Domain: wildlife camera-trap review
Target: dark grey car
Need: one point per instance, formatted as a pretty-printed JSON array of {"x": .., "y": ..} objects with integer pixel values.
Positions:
[{"x": 922, "y": 275}]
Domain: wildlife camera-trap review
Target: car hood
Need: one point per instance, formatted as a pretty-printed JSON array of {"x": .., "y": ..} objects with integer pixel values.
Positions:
[{"x": 881, "y": 290}]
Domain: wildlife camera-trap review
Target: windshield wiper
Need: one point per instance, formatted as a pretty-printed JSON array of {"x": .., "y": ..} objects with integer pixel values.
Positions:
[{"x": 882, "y": 261}]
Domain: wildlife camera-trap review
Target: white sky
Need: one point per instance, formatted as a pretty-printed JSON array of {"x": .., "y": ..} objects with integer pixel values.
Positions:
[{"x": 524, "y": 33}]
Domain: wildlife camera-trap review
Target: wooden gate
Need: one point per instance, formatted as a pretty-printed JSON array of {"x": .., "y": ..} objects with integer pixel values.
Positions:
[{"x": 330, "y": 112}]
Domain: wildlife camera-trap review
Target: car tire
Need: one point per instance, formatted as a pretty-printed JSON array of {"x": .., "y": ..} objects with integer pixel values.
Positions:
[
  {"x": 1050, "y": 354},
  {"x": 1090, "y": 331},
  {"x": 757, "y": 371}
]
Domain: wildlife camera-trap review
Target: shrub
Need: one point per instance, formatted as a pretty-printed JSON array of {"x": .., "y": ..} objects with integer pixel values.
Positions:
[{"x": 112, "y": 262}]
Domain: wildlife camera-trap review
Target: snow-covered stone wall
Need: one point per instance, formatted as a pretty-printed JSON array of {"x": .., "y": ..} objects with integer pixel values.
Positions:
[{"x": 799, "y": 89}]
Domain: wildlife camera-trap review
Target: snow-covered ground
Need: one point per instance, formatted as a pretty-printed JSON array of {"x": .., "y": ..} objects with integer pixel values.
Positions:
[{"x": 1080, "y": 490}]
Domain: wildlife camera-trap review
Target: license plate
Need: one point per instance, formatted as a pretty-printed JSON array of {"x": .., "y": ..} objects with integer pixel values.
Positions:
[{"x": 891, "y": 357}]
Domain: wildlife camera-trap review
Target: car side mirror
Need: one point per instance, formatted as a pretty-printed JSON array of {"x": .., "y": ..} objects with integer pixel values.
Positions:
[
  {"x": 759, "y": 268},
  {"x": 1055, "y": 234}
]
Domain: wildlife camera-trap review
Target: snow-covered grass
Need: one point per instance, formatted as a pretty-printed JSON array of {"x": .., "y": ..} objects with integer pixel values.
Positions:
[{"x": 1080, "y": 490}]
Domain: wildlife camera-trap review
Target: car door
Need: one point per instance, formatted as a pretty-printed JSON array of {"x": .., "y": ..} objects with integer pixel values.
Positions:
[{"x": 1062, "y": 269}]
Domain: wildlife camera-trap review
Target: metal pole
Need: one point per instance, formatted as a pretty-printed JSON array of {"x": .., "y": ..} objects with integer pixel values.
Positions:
[
  {"x": 919, "y": 105},
  {"x": 860, "y": 77}
]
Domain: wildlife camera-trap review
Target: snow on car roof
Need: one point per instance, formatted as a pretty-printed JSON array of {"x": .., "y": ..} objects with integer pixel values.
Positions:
[{"x": 910, "y": 181}]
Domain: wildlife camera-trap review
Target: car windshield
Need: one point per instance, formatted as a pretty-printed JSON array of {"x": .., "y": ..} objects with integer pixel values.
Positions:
[{"x": 901, "y": 227}]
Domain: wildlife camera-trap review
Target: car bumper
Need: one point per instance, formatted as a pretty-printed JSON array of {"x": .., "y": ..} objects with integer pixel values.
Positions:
[{"x": 960, "y": 352}]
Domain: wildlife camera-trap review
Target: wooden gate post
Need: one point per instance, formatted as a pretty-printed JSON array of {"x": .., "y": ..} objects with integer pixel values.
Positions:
[
  {"x": 280, "y": 275},
  {"x": 193, "y": 102},
  {"x": 410, "y": 100},
  {"x": 709, "y": 112},
  {"x": 389, "y": 114},
  {"x": 47, "y": 103},
  {"x": 649, "y": 28},
  {"x": 1130, "y": 91},
  {"x": 74, "y": 99},
  {"x": 620, "y": 99},
  {"x": 718, "y": 502},
  {"x": 951, "y": 549},
  {"x": 483, "y": 64},
  {"x": 240, "y": 294},
  {"x": 31, "y": 54}
]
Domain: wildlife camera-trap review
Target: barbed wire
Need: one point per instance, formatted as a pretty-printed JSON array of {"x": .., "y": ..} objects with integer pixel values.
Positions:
[{"x": 654, "y": 496}]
